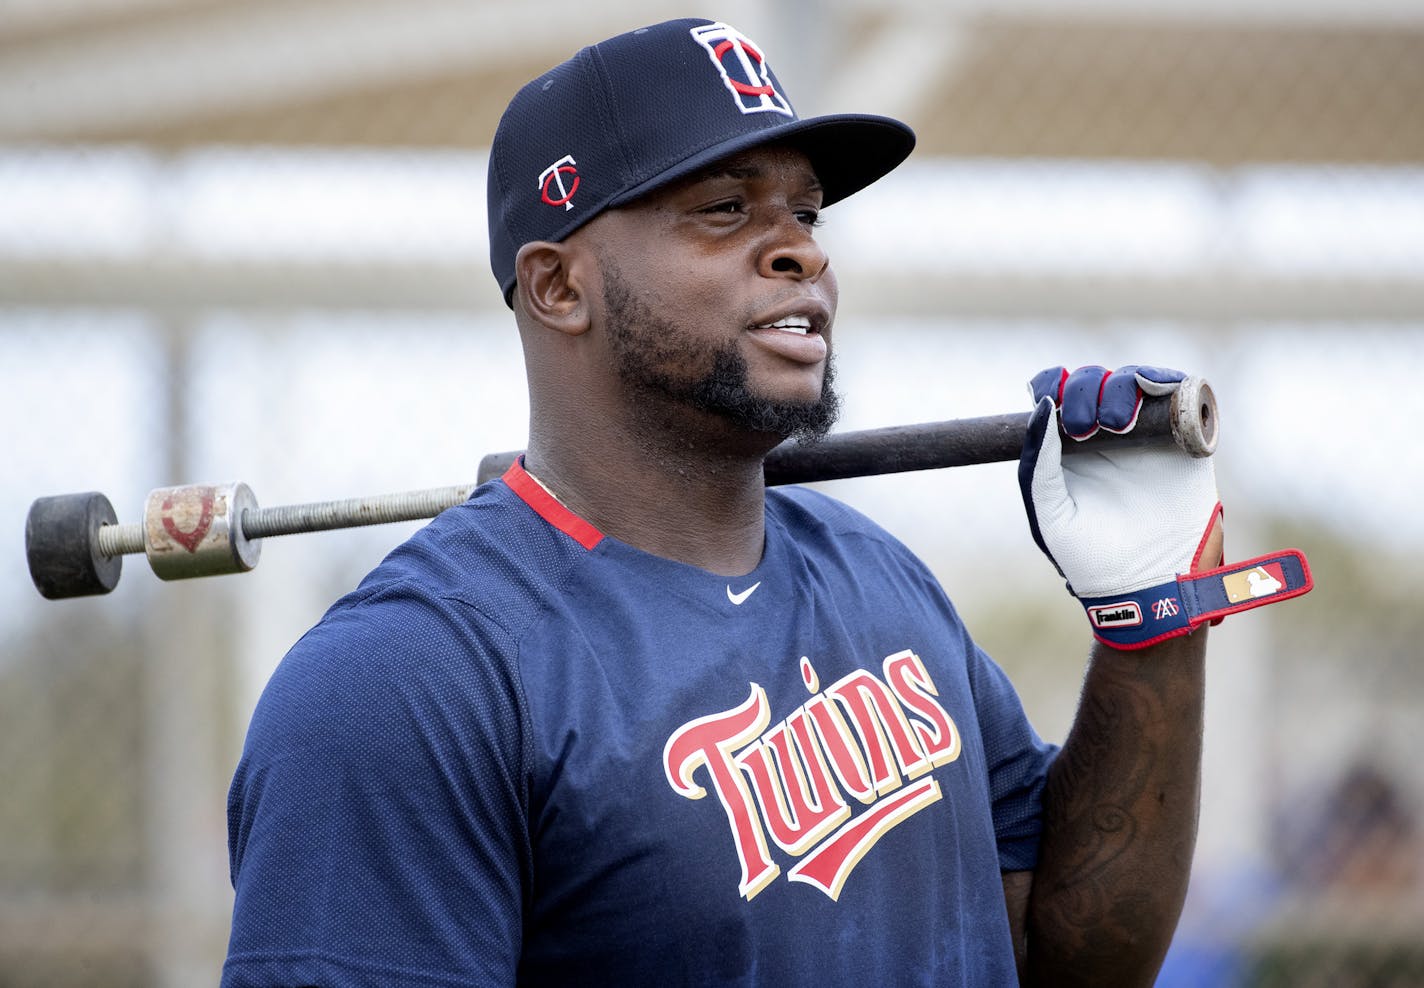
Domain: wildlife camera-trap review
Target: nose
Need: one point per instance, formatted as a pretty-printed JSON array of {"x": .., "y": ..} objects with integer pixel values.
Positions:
[{"x": 791, "y": 252}]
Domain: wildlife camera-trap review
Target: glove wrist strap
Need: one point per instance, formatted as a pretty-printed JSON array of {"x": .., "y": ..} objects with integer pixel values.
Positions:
[{"x": 1145, "y": 617}]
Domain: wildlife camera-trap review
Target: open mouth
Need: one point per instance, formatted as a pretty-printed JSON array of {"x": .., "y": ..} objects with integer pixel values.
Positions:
[
  {"x": 800, "y": 325},
  {"x": 798, "y": 337}
]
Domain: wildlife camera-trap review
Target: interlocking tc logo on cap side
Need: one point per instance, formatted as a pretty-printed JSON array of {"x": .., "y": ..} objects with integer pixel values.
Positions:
[
  {"x": 551, "y": 181},
  {"x": 743, "y": 69}
]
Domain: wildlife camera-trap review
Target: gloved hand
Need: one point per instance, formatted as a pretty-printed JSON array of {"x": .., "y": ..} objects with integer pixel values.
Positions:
[{"x": 1121, "y": 526}]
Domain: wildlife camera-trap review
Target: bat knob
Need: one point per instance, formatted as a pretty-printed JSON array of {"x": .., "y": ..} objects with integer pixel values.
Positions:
[{"x": 1195, "y": 423}]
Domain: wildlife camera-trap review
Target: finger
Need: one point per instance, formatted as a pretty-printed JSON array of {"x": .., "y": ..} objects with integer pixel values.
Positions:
[
  {"x": 1048, "y": 383},
  {"x": 1081, "y": 393},
  {"x": 1045, "y": 493},
  {"x": 1158, "y": 381},
  {"x": 1120, "y": 401}
]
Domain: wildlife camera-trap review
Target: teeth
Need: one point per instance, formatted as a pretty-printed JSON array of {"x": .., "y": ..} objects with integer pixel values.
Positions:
[{"x": 792, "y": 324}]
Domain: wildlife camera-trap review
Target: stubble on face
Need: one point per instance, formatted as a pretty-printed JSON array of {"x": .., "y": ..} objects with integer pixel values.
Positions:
[{"x": 660, "y": 364}]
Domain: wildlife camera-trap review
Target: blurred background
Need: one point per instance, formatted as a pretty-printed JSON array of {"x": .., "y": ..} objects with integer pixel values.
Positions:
[{"x": 245, "y": 240}]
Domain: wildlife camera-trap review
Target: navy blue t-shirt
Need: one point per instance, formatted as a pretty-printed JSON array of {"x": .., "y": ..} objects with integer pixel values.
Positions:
[{"x": 524, "y": 752}]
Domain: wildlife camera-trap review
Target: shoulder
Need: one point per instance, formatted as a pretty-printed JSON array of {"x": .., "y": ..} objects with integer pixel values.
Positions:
[
  {"x": 818, "y": 522},
  {"x": 382, "y": 680},
  {"x": 435, "y": 627},
  {"x": 490, "y": 557},
  {"x": 811, "y": 514},
  {"x": 810, "y": 508}
]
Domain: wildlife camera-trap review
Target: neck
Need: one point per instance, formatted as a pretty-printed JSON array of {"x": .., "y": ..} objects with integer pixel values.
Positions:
[{"x": 695, "y": 495}]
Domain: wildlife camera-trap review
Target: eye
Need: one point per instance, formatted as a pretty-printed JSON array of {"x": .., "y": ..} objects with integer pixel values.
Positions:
[
  {"x": 810, "y": 217},
  {"x": 726, "y": 207}
]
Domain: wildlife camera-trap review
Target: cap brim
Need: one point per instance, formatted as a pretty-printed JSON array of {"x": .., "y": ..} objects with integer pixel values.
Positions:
[{"x": 848, "y": 152}]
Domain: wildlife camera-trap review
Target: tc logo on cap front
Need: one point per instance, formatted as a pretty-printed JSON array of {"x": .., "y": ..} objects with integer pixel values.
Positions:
[
  {"x": 551, "y": 181},
  {"x": 743, "y": 69}
]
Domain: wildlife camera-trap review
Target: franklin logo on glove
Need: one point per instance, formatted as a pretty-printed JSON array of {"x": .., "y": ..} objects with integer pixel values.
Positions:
[
  {"x": 1128, "y": 529},
  {"x": 1116, "y": 616}
]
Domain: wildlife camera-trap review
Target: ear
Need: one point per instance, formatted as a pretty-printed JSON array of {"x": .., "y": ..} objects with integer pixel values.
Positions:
[{"x": 551, "y": 285}]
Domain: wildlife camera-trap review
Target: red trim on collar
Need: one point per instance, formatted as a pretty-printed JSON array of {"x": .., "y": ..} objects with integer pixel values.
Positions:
[{"x": 548, "y": 507}]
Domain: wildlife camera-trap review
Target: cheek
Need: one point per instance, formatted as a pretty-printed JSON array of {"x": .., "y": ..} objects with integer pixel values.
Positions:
[
  {"x": 693, "y": 283},
  {"x": 697, "y": 294},
  {"x": 664, "y": 278}
]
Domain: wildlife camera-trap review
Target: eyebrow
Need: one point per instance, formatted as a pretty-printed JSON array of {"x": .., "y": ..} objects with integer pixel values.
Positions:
[
  {"x": 730, "y": 171},
  {"x": 742, "y": 173}
]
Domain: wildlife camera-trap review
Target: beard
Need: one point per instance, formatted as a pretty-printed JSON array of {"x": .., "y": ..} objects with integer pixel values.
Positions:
[{"x": 652, "y": 357}]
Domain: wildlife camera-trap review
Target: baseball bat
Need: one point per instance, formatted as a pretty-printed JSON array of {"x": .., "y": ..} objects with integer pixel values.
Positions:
[
  {"x": 75, "y": 545},
  {"x": 1188, "y": 419}
]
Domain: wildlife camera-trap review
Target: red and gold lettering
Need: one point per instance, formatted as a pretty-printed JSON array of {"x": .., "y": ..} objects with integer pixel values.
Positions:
[
  {"x": 838, "y": 742},
  {"x": 857, "y": 737},
  {"x": 799, "y": 807},
  {"x": 883, "y": 728},
  {"x": 830, "y": 865},
  {"x": 910, "y": 682},
  {"x": 708, "y": 742}
]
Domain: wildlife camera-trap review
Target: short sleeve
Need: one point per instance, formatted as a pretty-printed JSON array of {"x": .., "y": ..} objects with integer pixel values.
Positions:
[
  {"x": 1017, "y": 760},
  {"x": 378, "y": 817}
]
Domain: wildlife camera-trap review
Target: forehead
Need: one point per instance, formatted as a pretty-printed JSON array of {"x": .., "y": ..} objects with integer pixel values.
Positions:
[{"x": 774, "y": 163}]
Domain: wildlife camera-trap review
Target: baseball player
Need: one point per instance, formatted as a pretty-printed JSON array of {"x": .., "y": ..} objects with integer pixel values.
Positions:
[{"x": 628, "y": 717}]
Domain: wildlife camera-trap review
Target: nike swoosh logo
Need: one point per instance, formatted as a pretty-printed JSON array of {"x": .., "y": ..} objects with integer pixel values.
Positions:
[{"x": 739, "y": 598}]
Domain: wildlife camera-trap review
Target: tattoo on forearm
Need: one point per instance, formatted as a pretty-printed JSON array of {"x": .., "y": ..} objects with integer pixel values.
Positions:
[{"x": 1092, "y": 816}]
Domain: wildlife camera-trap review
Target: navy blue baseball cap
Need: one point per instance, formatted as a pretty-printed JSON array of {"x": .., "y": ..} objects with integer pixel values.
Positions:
[{"x": 641, "y": 110}]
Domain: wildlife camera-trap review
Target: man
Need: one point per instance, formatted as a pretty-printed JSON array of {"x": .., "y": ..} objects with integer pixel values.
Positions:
[{"x": 628, "y": 717}]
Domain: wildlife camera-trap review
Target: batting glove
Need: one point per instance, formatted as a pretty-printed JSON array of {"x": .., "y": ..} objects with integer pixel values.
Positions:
[{"x": 1127, "y": 528}]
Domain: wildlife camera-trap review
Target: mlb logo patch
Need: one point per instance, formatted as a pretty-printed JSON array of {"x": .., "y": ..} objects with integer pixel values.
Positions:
[
  {"x": 743, "y": 69},
  {"x": 1258, "y": 581}
]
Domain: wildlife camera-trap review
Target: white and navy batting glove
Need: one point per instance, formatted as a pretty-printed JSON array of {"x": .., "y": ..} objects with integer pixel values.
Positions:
[{"x": 1127, "y": 527}]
